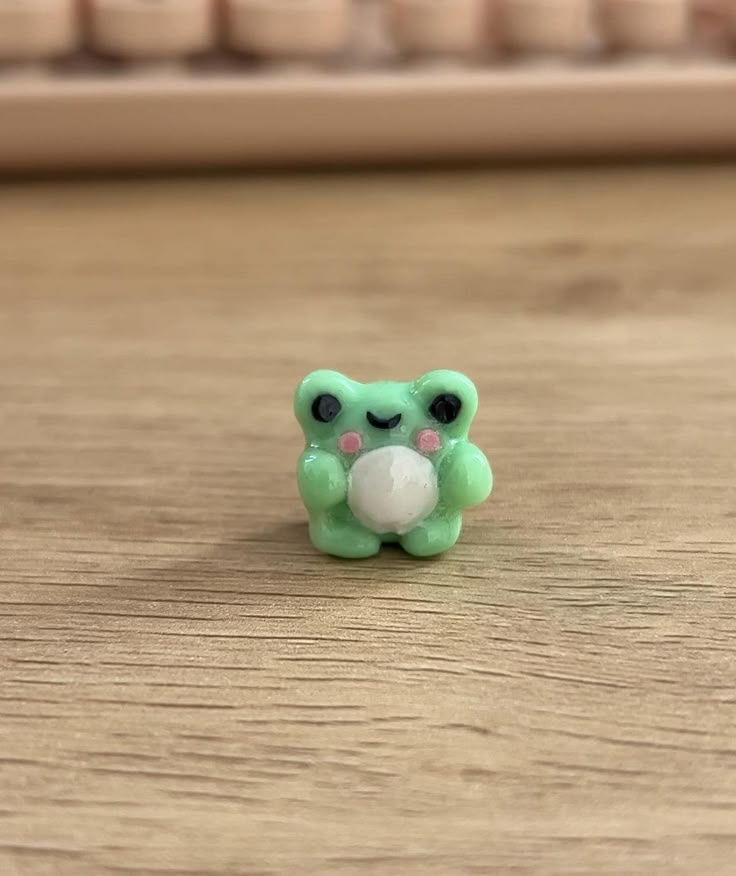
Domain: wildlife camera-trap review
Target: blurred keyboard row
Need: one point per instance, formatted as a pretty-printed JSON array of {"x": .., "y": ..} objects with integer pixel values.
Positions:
[{"x": 329, "y": 31}]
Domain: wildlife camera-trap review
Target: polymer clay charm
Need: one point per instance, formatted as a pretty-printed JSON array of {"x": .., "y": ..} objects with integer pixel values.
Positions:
[{"x": 388, "y": 461}]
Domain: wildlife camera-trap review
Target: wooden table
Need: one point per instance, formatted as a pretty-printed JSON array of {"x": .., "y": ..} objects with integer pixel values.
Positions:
[{"x": 188, "y": 688}]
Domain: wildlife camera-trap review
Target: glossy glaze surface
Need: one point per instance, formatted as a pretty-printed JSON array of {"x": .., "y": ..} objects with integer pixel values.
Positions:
[{"x": 363, "y": 475}]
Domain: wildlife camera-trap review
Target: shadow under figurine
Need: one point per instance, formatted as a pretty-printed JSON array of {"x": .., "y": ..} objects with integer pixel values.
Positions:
[{"x": 388, "y": 462}]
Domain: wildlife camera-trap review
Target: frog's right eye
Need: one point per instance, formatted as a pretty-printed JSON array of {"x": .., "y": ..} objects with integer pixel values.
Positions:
[
  {"x": 325, "y": 408},
  {"x": 445, "y": 408}
]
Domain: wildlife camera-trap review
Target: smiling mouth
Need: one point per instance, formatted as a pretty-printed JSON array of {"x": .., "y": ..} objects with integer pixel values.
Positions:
[{"x": 381, "y": 423}]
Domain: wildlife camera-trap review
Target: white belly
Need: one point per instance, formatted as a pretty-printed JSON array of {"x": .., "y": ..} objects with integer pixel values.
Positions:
[{"x": 392, "y": 489}]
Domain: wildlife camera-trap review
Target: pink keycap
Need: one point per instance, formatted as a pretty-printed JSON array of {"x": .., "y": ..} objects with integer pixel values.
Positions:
[
  {"x": 149, "y": 29},
  {"x": 438, "y": 27},
  {"x": 545, "y": 26},
  {"x": 35, "y": 30},
  {"x": 286, "y": 29},
  {"x": 645, "y": 25}
]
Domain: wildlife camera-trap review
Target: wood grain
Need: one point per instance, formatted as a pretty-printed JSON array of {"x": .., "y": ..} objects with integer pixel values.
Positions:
[{"x": 187, "y": 688}]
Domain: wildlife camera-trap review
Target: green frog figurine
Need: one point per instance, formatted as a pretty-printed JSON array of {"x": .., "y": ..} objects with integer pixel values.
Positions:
[{"x": 388, "y": 462}]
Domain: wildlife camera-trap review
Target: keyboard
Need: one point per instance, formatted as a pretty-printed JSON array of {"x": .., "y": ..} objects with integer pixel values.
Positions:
[{"x": 133, "y": 84}]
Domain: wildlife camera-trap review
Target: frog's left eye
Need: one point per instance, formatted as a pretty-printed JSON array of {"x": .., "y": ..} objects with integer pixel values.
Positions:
[
  {"x": 325, "y": 408},
  {"x": 445, "y": 407}
]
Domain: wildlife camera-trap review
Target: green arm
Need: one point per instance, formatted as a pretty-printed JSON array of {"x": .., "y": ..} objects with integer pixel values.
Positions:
[
  {"x": 465, "y": 476},
  {"x": 322, "y": 480}
]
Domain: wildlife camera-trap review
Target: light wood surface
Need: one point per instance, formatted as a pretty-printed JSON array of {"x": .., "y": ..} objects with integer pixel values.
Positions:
[{"x": 188, "y": 688}]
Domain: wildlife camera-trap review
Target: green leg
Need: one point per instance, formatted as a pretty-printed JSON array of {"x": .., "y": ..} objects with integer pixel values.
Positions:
[
  {"x": 433, "y": 536},
  {"x": 333, "y": 534}
]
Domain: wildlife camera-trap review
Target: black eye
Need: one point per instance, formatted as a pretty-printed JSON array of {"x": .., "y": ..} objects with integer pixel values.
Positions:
[
  {"x": 445, "y": 407},
  {"x": 325, "y": 408}
]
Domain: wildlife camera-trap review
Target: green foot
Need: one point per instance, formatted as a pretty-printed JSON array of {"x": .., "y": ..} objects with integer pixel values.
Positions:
[
  {"x": 341, "y": 538},
  {"x": 434, "y": 536}
]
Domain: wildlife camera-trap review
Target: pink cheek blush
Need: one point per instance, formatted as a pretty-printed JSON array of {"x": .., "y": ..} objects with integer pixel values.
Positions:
[
  {"x": 428, "y": 441},
  {"x": 350, "y": 442}
]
